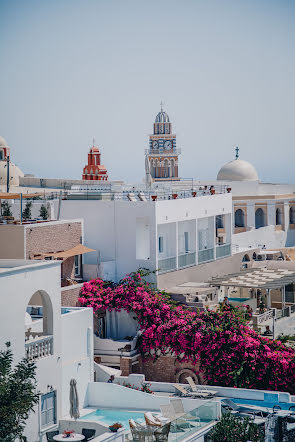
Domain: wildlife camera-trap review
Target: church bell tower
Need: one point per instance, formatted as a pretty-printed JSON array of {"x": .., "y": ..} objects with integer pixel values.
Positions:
[{"x": 162, "y": 155}]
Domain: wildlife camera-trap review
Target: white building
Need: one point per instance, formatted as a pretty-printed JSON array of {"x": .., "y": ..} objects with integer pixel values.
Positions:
[
  {"x": 59, "y": 340},
  {"x": 163, "y": 235}
]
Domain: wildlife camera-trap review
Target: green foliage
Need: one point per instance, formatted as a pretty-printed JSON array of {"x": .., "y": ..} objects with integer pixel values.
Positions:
[
  {"x": 285, "y": 338},
  {"x": 18, "y": 395},
  {"x": 44, "y": 212},
  {"x": 235, "y": 429},
  {"x": 27, "y": 212},
  {"x": 6, "y": 209}
]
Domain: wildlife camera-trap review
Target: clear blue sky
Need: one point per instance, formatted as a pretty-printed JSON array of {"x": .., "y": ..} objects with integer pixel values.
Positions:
[{"x": 73, "y": 70}]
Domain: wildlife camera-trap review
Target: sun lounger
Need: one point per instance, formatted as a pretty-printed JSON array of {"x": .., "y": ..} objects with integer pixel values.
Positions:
[
  {"x": 231, "y": 405},
  {"x": 142, "y": 197},
  {"x": 178, "y": 420},
  {"x": 203, "y": 391},
  {"x": 177, "y": 405},
  {"x": 181, "y": 390},
  {"x": 131, "y": 197}
]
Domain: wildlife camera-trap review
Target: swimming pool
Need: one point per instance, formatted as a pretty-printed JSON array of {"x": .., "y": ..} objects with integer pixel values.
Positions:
[
  {"x": 266, "y": 404},
  {"x": 110, "y": 417}
]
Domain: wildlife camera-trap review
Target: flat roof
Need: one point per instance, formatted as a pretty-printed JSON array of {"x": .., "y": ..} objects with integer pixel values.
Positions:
[{"x": 256, "y": 278}]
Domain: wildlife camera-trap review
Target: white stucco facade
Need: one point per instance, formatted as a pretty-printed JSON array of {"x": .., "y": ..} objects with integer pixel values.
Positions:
[
  {"x": 163, "y": 235},
  {"x": 62, "y": 352}
]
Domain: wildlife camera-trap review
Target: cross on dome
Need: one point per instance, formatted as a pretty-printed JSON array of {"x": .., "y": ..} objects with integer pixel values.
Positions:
[{"x": 237, "y": 152}]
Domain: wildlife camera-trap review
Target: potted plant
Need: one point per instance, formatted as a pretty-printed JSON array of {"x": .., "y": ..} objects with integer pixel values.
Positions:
[
  {"x": 115, "y": 427},
  {"x": 154, "y": 197},
  {"x": 68, "y": 433},
  {"x": 174, "y": 196},
  {"x": 194, "y": 194}
]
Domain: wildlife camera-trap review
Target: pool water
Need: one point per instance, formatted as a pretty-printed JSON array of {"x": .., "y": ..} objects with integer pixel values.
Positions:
[
  {"x": 110, "y": 417},
  {"x": 266, "y": 404}
]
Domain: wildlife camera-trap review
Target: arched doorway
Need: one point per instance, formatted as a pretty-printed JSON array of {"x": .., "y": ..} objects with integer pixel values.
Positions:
[
  {"x": 39, "y": 326},
  {"x": 259, "y": 218},
  {"x": 292, "y": 215}
]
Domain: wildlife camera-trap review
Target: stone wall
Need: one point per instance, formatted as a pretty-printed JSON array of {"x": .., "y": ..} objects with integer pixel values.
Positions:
[
  {"x": 70, "y": 295},
  {"x": 168, "y": 369},
  {"x": 54, "y": 237}
]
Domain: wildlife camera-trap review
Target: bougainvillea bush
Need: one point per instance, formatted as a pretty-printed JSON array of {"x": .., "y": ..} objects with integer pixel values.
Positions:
[{"x": 230, "y": 353}]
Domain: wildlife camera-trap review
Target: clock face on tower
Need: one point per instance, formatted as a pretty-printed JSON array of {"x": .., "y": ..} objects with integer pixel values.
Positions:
[
  {"x": 168, "y": 145},
  {"x": 155, "y": 144}
]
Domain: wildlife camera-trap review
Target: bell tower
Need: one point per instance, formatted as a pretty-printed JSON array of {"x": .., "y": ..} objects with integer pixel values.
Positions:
[{"x": 162, "y": 154}]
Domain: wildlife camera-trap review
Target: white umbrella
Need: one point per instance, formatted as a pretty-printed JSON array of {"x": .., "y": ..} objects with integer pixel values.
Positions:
[{"x": 74, "y": 400}]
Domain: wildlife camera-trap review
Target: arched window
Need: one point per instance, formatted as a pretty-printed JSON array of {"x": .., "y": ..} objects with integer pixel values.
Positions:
[
  {"x": 259, "y": 218},
  {"x": 172, "y": 168},
  {"x": 292, "y": 215},
  {"x": 254, "y": 256},
  {"x": 279, "y": 217},
  {"x": 166, "y": 168},
  {"x": 239, "y": 218}
]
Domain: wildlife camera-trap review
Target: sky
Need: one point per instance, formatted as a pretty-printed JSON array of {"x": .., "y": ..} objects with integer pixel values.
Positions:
[{"x": 72, "y": 70}]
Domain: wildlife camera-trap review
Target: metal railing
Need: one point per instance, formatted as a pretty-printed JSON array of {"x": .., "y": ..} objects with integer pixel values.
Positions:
[
  {"x": 223, "y": 250},
  {"x": 186, "y": 259},
  {"x": 206, "y": 255},
  {"x": 266, "y": 316},
  {"x": 167, "y": 264},
  {"x": 39, "y": 348}
]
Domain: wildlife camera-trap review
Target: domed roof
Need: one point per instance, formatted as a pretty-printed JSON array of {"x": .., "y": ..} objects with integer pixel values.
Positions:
[
  {"x": 162, "y": 117},
  {"x": 238, "y": 170},
  {"x": 3, "y": 142},
  {"x": 14, "y": 172},
  {"x": 94, "y": 149}
]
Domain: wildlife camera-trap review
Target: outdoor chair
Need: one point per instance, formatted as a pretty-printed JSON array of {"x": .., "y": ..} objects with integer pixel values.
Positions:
[
  {"x": 182, "y": 391},
  {"x": 201, "y": 392},
  {"x": 152, "y": 420},
  {"x": 177, "y": 405},
  {"x": 51, "y": 434},
  {"x": 168, "y": 411},
  {"x": 161, "y": 434},
  {"x": 141, "y": 433},
  {"x": 88, "y": 433}
]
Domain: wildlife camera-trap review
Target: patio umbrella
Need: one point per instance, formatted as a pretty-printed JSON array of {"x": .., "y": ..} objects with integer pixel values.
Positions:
[{"x": 74, "y": 400}]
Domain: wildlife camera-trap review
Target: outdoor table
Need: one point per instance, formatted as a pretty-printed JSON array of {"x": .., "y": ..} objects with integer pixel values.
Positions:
[{"x": 75, "y": 437}]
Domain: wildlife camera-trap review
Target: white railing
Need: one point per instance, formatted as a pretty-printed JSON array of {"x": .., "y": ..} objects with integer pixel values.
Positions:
[
  {"x": 223, "y": 250},
  {"x": 187, "y": 259},
  {"x": 205, "y": 255},
  {"x": 39, "y": 347},
  {"x": 167, "y": 264},
  {"x": 266, "y": 316}
]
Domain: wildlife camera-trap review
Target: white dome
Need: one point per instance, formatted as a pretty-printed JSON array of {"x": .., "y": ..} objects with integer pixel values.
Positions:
[
  {"x": 3, "y": 142},
  {"x": 14, "y": 172},
  {"x": 238, "y": 170}
]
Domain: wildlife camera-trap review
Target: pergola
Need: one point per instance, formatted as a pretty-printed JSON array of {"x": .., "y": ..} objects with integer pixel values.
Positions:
[{"x": 258, "y": 278}]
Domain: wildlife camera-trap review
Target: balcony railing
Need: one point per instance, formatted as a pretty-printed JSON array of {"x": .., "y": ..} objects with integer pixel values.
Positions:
[
  {"x": 206, "y": 255},
  {"x": 39, "y": 348},
  {"x": 167, "y": 264},
  {"x": 223, "y": 250},
  {"x": 187, "y": 259},
  {"x": 170, "y": 152}
]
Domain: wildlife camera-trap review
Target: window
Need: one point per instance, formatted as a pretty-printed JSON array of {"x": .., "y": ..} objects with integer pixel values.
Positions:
[
  {"x": 259, "y": 218},
  {"x": 292, "y": 215},
  {"x": 239, "y": 218},
  {"x": 219, "y": 222},
  {"x": 161, "y": 244},
  {"x": 279, "y": 217},
  {"x": 1, "y": 155},
  {"x": 186, "y": 242},
  {"x": 77, "y": 265},
  {"x": 48, "y": 409}
]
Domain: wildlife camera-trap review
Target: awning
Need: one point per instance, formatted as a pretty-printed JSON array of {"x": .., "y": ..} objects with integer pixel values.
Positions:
[
  {"x": 80, "y": 249},
  {"x": 16, "y": 196}
]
